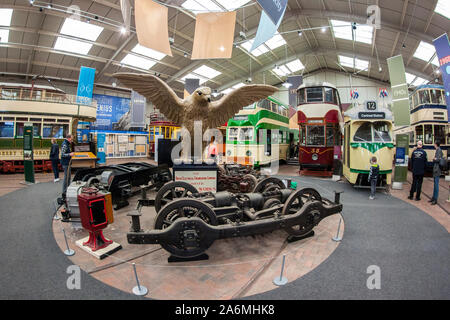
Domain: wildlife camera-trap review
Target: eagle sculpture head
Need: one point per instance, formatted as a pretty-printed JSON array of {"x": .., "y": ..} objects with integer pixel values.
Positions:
[{"x": 202, "y": 95}]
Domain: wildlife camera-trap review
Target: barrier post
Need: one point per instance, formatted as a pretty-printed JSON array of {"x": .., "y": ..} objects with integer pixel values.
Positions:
[
  {"x": 138, "y": 290},
  {"x": 68, "y": 251},
  {"x": 281, "y": 281}
]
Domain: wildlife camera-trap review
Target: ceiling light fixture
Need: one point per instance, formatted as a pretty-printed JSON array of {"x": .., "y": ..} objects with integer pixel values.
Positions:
[
  {"x": 323, "y": 29},
  {"x": 287, "y": 85},
  {"x": 300, "y": 33},
  {"x": 123, "y": 30}
]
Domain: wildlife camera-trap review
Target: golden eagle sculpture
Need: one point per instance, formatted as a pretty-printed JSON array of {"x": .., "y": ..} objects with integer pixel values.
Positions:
[{"x": 198, "y": 106}]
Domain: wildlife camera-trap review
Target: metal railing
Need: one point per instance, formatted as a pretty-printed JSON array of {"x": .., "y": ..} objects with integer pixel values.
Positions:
[{"x": 42, "y": 95}]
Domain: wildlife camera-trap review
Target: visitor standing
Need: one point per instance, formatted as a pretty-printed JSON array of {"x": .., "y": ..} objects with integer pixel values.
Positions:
[
  {"x": 54, "y": 157},
  {"x": 66, "y": 155},
  {"x": 438, "y": 156},
  {"x": 373, "y": 176},
  {"x": 418, "y": 163},
  {"x": 212, "y": 148}
]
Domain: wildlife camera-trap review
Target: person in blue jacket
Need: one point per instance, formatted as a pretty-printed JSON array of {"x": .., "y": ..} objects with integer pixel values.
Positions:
[
  {"x": 418, "y": 163},
  {"x": 54, "y": 157},
  {"x": 66, "y": 155}
]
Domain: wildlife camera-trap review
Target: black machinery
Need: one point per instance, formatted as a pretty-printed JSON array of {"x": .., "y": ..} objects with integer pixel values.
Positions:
[{"x": 188, "y": 222}]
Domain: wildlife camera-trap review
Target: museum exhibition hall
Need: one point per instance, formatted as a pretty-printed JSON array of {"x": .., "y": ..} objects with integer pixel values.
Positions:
[{"x": 229, "y": 157}]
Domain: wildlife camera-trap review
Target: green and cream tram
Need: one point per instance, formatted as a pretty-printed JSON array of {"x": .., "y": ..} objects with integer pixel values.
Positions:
[
  {"x": 429, "y": 121},
  {"x": 367, "y": 133},
  {"x": 259, "y": 134}
]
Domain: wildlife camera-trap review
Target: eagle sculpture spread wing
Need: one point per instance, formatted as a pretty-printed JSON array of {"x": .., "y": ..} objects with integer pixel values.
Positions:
[
  {"x": 225, "y": 108},
  {"x": 156, "y": 91},
  {"x": 198, "y": 106}
]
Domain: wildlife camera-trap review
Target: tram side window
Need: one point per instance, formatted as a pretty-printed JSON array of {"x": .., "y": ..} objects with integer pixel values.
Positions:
[
  {"x": 364, "y": 133},
  {"x": 329, "y": 95},
  {"x": 428, "y": 134},
  {"x": 37, "y": 129},
  {"x": 381, "y": 132},
  {"x": 265, "y": 104},
  {"x": 315, "y": 135},
  {"x": 436, "y": 96},
  {"x": 302, "y": 136},
  {"x": 330, "y": 136},
  {"x": 424, "y": 97},
  {"x": 301, "y": 96},
  {"x": 19, "y": 129},
  {"x": 314, "y": 94},
  {"x": 58, "y": 131},
  {"x": 419, "y": 133},
  {"x": 7, "y": 129},
  {"x": 411, "y": 137},
  {"x": 439, "y": 133},
  {"x": 416, "y": 99}
]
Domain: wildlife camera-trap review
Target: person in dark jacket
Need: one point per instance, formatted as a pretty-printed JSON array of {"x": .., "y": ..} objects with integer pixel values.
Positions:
[
  {"x": 418, "y": 162},
  {"x": 66, "y": 155},
  {"x": 436, "y": 172},
  {"x": 373, "y": 176},
  {"x": 54, "y": 157}
]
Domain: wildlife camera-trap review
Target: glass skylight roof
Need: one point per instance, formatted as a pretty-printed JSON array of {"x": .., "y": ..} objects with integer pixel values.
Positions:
[
  {"x": 425, "y": 51},
  {"x": 295, "y": 65},
  {"x": 343, "y": 30},
  {"x": 206, "y": 72},
  {"x": 232, "y": 4},
  {"x": 148, "y": 52},
  {"x": 4, "y": 35},
  {"x": 5, "y": 17},
  {"x": 276, "y": 41},
  {"x": 138, "y": 62},
  {"x": 200, "y": 6},
  {"x": 281, "y": 71},
  {"x": 357, "y": 63},
  {"x": 414, "y": 80},
  {"x": 443, "y": 8},
  {"x": 74, "y": 46},
  {"x": 81, "y": 29}
]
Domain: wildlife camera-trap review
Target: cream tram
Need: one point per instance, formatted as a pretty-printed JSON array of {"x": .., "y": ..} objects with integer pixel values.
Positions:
[
  {"x": 429, "y": 121},
  {"x": 259, "y": 134},
  {"x": 52, "y": 113},
  {"x": 320, "y": 121},
  {"x": 367, "y": 133}
]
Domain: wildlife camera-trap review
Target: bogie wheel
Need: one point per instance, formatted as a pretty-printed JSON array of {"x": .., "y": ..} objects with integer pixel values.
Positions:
[
  {"x": 186, "y": 208},
  {"x": 171, "y": 191},
  {"x": 251, "y": 180},
  {"x": 294, "y": 203},
  {"x": 269, "y": 184}
]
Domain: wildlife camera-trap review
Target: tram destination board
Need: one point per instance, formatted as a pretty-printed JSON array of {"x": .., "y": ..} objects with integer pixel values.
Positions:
[{"x": 371, "y": 115}]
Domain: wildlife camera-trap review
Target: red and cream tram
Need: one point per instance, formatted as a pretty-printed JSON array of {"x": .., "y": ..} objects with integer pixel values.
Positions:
[{"x": 320, "y": 121}]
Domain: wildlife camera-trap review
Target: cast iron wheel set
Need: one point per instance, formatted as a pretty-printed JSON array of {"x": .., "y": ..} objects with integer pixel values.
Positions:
[
  {"x": 188, "y": 222},
  {"x": 237, "y": 178}
]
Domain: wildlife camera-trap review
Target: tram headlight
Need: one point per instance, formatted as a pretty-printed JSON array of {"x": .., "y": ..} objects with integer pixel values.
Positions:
[
  {"x": 315, "y": 157},
  {"x": 248, "y": 153}
]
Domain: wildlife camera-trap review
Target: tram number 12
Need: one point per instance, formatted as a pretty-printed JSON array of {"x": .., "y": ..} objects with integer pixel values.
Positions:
[{"x": 371, "y": 105}]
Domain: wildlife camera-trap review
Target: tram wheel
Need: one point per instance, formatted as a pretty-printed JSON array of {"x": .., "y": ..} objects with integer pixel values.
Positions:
[
  {"x": 171, "y": 191},
  {"x": 186, "y": 208},
  {"x": 251, "y": 180},
  {"x": 269, "y": 184},
  {"x": 294, "y": 203}
]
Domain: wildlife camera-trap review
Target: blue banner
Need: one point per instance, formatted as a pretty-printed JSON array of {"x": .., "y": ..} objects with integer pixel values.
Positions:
[
  {"x": 266, "y": 30},
  {"x": 274, "y": 9},
  {"x": 85, "y": 85},
  {"x": 443, "y": 53},
  {"x": 109, "y": 111}
]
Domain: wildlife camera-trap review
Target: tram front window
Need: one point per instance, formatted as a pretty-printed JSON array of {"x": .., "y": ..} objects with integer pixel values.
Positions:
[
  {"x": 424, "y": 97},
  {"x": 381, "y": 132},
  {"x": 330, "y": 136},
  {"x": 246, "y": 134},
  {"x": 302, "y": 136},
  {"x": 436, "y": 96},
  {"x": 301, "y": 96},
  {"x": 314, "y": 94},
  {"x": 428, "y": 134},
  {"x": 315, "y": 135},
  {"x": 233, "y": 134},
  {"x": 328, "y": 95},
  {"x": 364, "y": 133}
]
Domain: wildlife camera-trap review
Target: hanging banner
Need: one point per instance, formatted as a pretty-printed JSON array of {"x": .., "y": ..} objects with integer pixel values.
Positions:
[
  {"x": 126, "y": 14},
  {"x": 138, "y": 104},
  {"x": 214, "y": 35},
  {"x": 266, "y": 30},
  {"x": 295, "y": 82},
  {"x": 190, "y": 85},
  {"x": 85, "y": 85},
  {"x": 443, "y": 53},
  {"x": 274, "y": 9},
  {"x": 110, "y": 110},
  {"x": 152, "y": 26},
  {"x": 400, "y": 98}
]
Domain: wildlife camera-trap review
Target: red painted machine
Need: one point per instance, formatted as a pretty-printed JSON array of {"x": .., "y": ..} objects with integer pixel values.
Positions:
[{"x": 95, "y": 214}]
